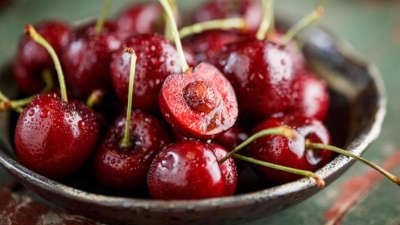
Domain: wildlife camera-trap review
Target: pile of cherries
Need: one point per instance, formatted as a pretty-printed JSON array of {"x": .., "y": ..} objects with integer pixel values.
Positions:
[{"x": 146, "y": 112}]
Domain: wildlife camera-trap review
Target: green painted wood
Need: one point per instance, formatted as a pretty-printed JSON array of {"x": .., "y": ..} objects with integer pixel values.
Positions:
[{"x": 371, "y": 26}]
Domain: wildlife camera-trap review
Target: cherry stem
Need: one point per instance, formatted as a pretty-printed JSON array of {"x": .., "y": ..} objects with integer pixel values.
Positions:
[
  {"x": 31, "y": 32},
  {"x": 320, "y": 182},
  {"x": 223, "y": 24},
  {"x": 167, "y": 29},
  {"x": 6, "y": 103},
  {"x": 319, "y": 146},
  {"x": 271, "y": 32},
  {"x": 303, "y": 23},
  {"x": 282, "y": 130},
  {"x": 102, "y": 18},
  {"x": 126, "y": 140},
  {"x": 266, "y": 20},
  {"x": 175, "y": 33},
  {"x": 95, "y": 98}
]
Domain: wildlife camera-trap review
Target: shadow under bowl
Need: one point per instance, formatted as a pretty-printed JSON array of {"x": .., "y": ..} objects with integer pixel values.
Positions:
[{"x": 357, "y": 110}]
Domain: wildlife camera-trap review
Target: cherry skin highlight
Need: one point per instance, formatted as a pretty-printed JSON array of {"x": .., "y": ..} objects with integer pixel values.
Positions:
[
  {"x": 86, "y": 62},
  {"x": 122, "y": 168},
  {"x": 292, "y": 153},
  {"x": 55, "y": 138},
  {"x": 139, "y": 19},
  {"x": 32, "y": 58},
  {"x": 200, "y": 103},
  {"x": 312, "y": 97},
  {"x": 156, "y": 59},
  {"x": 190, "y": 170},
  {"x": 261, "y": 73}
]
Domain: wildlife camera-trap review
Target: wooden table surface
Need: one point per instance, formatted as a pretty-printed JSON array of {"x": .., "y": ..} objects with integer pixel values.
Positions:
[{"x": 371, "y": 26}]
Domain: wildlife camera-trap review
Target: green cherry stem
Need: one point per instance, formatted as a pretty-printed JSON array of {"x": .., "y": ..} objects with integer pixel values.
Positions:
[
  {"x": 102, "y": 18},
  {"x": 126, "y": 140},
  {"x": 303, "y": 23},
  {"x": 31, "y": 32},
  {"x": 320, "y": 182},
  {"x": 95, "y": 98},
  {"x": 282, "y": 130},
  {"x": 319, "y": 146},
  {"x": 6, "y": 103},
  {"x": 167, "y": 29},
  {"x": 174, "y": 31},
  {"x": 266, "y": 20},
  {"x": 223, "y": 24}
]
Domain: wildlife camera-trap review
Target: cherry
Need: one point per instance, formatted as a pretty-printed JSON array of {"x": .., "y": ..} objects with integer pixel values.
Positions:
[
  {"x": 261, "y": 73},
  {"x": 139, "y": 19},
  {"x": 157, "y": 58},
  {"x": 32, "y": 58},
  {"x": 190, "y": 170},
  {"x": 311, "y": 98},
  {"x": 123, "y": 158},
  {"x": 87, "y": 58},
  {"x": 290, "y": 152},
  {"x": 248, "y": 9},
  {"x": 199, "y": 103},
  {"x": 54, "y": 137},
  {"x": 206, "y": 46}
]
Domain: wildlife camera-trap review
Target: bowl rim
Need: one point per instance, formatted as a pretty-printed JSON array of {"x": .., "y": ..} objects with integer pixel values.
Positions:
[{"x": 357, "y": 146}]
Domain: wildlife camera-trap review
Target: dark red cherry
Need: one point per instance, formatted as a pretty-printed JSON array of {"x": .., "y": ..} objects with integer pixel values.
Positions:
[
  {"x": 32, "y": 59},
  {"x": 299, "y": 61},
  {"x": 312, "y": 97},
  {"x": 139, "y": 19},
  {"x": 205, "y": 46},
  {"x": 86, "y": 61},
  {"x": 292, "y": 153},
  {"x": 261, "y": 73},
  {"x": 55, "y": 138},
  {"x": 250, "y": 10},
  {"x": 190, "y": 170},
  {"x": 200, "y": 103},
  {"x": 156, "y": 59},
  {"x": 232, "y": 137},
  {"x": 126, "y": 168}
]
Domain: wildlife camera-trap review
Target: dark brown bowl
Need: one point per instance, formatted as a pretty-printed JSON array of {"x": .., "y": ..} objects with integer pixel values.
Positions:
[{"x": 355, "y": 119}]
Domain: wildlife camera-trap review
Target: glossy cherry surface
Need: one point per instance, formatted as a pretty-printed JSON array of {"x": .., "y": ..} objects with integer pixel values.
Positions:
[
  {"x": 292, "y": 153},
  {"x": 126, "y": 168},
  {"x": 312, "y": 97},
  {"x": 139, "y": 19},
  {"x": 86, "y": 62},
  {"x": 232, "y": 137},
  {"x": 200, "y": 103},
  {"x": 157, "y": 58},
  {"x": 262, "y": 74},
  {"x": 190, "y": 170},
  {"x": 250, "y": 10},
  {"x": 205, "y": 46},
  {"x": 55, "y": 138},
  {"x": 32, "y": 59}
]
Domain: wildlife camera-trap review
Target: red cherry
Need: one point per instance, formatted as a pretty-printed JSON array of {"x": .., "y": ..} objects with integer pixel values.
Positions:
[
  {"x": 156, "y": 59},
  {"x": 89, "y": 29},
  {"x": 190, "y": 170},
  {"x": 139, "y": 19},
  {"x": 250, "y": 10},
  {"x": 32, "y": 58},
  {"x": 261, "y": 73},
  {"x": 201, "y": 103},
  {"x": 292, "y": 153},
  {"x": 299, "y": 61},
  {"x": 55, "y": 138},
  {"x": 312, "y": 97},
  {"x": 232, "y": 137},
  {"x": 86, "y": 61},
  {"x": 205, "y": 46},
  {"x": 126, "y": 168}
]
